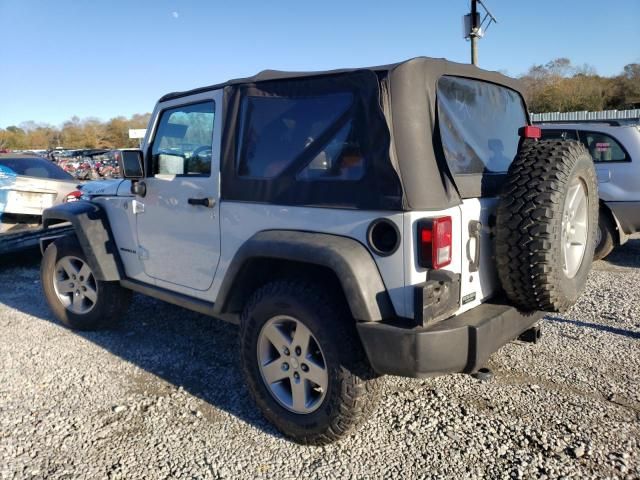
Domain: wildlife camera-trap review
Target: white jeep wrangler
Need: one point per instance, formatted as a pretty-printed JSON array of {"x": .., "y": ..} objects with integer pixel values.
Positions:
[{"x": 402, "y": 219}]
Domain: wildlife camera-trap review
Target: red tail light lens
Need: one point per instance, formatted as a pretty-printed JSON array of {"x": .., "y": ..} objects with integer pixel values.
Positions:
[
  {"x": 73, "y": 196},
  {"x": 434, "y": 242}
]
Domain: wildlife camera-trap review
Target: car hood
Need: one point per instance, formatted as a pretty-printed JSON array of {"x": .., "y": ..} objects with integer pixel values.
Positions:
[{"x": 102, "y": 188}]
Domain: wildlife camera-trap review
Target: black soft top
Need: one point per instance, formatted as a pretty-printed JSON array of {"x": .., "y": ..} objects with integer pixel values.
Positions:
[
  {"x": 428, "y": 64},
  {"x": 409, "y": 171}
]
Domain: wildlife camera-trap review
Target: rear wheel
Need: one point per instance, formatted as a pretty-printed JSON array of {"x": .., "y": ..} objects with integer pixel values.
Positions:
[
  {"x": 303, "y": 362},
  {"x": 605, "y": 236},
  {"x": 545, "y": 227},
  {"x": 77, "y": 298}
]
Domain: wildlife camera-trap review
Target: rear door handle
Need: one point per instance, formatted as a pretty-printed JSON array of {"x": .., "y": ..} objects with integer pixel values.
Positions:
[{"x": 205, "y": 202}]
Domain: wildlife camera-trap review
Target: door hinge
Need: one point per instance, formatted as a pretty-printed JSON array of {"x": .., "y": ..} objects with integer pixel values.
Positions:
[
  {"x": 137, "y": 207},
  {"x": 143, "y": 253}
]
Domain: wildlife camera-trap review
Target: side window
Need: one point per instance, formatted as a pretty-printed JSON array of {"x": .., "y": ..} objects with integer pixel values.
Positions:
[
  {"x": 182, "y": 144},
  {"x": 603, "y": 148},
  {"x": 560, "y": 134},
  {"x": 277, "y": 131}
]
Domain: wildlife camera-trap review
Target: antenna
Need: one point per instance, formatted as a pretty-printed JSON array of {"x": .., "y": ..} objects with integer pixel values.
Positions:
[{"x": 474, "y": 23}]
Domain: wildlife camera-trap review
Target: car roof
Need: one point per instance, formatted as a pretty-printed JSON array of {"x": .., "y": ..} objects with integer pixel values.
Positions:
[{"x": 431, "y": 65}]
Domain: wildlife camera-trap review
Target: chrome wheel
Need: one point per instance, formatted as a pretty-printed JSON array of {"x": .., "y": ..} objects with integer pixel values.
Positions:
[
  {"x": 75, "y": 285},
  {"x": 575, "y": 227},
  {"x": 292, "y": 364}
]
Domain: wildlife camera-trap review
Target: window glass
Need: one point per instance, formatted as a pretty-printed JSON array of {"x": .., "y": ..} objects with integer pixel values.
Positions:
[
  {"x": 559, "y": 134},
  {"x": 34, "y": 167},
  {"x": 182, "y": 144},
  {"x": 339, "y": 159},
  {"x": 479, "y": 124},
  {"x": 275, "y": 131},
  {"x": 603, "y": 148}
]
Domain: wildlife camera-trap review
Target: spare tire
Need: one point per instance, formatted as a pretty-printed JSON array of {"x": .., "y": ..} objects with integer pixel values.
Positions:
[{"x": 545, "y": 225}]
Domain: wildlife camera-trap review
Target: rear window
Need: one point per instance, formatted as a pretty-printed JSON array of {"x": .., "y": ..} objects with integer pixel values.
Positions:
[
  {"x": 34, "y": 167},
  {"x": 479, "y": 124}
]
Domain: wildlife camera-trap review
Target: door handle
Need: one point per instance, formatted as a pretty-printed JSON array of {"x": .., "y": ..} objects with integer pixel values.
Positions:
[{"x": 205, "y": 202}]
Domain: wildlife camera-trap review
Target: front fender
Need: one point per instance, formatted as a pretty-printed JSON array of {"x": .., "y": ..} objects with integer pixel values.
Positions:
[{"x": 91, "y": 227}]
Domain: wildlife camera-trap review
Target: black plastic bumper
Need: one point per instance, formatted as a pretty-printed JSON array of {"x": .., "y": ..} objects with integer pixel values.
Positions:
[{"x": 459, "y": 344}]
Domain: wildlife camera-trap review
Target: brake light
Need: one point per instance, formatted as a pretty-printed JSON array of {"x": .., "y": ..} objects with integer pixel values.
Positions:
[
  {"x": 434, "y": 242},
  {"x": 73, "y": 196},
  {"x": 529, "y": 131}
]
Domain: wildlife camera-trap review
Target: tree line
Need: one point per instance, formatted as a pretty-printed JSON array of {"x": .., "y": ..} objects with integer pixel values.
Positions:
[
  {"x": 74, "y": 133},
  {"x": 558, "y": 86}
]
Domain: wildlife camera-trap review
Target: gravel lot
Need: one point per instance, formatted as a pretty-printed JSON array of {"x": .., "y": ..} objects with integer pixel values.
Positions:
[{"x": 163, "y": 397}]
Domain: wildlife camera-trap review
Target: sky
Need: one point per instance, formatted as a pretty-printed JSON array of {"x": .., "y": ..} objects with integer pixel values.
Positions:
[{"x": 104, "y": 58}]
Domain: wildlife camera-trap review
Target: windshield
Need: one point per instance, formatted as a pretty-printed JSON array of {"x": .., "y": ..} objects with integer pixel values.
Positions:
[
  {"x": 34, "y": 167},
  {"x": 479, "y": 124}
]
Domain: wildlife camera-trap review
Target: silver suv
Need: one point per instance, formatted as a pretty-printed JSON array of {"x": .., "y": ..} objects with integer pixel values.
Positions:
[
  {"x": 402, "y": 219},
  {"x": 616, "y": 153}
]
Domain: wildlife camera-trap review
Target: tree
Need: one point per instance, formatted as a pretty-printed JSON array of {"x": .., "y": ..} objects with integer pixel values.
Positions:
[{"x": 560, "y": 86}]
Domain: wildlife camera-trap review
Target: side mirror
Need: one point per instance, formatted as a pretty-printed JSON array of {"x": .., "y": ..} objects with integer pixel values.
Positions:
[{"x": 130, "y": 162}]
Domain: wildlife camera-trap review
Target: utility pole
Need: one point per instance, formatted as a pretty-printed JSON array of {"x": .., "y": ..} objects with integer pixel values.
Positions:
[
  {"x": 474, "y": 34},
  {"x": 473, "y": 26}
]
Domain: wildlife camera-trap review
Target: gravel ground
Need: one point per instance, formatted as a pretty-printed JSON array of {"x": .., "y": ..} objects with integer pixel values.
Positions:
[{"x": 163, "y": 397}]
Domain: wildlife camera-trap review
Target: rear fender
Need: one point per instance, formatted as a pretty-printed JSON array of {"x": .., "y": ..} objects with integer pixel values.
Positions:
[{"x": 348, "y": 259}]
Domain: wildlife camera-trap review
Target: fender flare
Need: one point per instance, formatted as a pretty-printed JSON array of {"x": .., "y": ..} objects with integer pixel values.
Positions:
[
  {"x": 351, "y": 262},
  {"x": 91, "y": 227}
]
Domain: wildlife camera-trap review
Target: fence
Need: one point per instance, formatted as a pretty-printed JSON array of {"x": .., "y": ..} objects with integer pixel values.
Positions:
[{"x": 622, "y": 116}]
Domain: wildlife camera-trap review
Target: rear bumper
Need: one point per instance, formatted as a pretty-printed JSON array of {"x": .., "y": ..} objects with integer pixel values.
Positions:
[{"x": 459, "y": 344}]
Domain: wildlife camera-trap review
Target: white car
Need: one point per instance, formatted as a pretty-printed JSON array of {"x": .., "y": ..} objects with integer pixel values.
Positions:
[
  {"x": 28, "y": 185},
  {"x": 403, "y": 219}
]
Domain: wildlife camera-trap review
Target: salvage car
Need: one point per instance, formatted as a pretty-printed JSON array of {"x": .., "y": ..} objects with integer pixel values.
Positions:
[
  {"x": 404, "y": 219},
  {"x": 615, "y": 150},
  {"x": 28, "y": 185}
]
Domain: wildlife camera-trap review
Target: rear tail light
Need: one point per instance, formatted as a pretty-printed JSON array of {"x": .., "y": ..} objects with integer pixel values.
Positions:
[
  {"x": 434, "y": 242},
  {"x": 73, "y": 196}
]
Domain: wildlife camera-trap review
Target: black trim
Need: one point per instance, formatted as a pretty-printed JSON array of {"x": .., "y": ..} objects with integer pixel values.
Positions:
[
  {"x": 459, "y": 344},
  {"x": 91, "y": 226},
  {"x": 351, "y": 262},
  {"x": 372, "y": 244},
  {"x": 175, "y": 298},
  {"x": 627, "y": 214}
]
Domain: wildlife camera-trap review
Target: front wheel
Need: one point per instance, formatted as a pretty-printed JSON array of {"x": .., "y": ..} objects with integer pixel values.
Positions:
[
  {"x": 77, "y": 298},
  {"x": 303, "y": 362}
]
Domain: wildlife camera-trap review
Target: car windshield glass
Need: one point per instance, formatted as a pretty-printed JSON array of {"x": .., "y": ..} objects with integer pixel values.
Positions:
[
  {"x": 34, "y": 167},
  {"x": 479, "y": 124}
]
